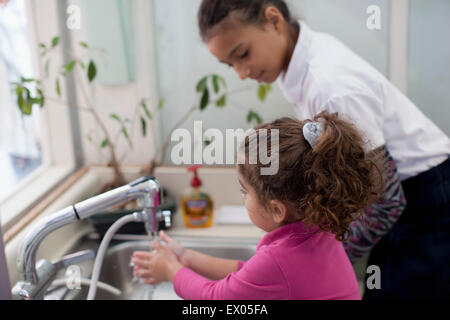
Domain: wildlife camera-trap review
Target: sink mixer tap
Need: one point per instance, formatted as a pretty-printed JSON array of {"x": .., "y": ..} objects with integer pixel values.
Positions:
[{"x": 38, "y": 277}]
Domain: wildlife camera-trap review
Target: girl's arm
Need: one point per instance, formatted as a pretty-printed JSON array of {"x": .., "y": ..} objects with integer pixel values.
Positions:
[
  {"x": 210, "y": 267},
  {"x": 378, "y": 217},
  {"x": 260, "y": 278}
]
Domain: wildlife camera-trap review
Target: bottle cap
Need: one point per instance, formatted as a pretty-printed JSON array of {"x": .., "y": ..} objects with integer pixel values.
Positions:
[{"x": 195, "y": 182}]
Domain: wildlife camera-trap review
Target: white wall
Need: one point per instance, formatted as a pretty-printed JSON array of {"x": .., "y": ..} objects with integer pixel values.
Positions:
[
  {"x": 429, "y": 59},
  {"x": 121, "y": 99},
  {"x": 183, "y": 59},
  {"x": 170, "y": 58}
]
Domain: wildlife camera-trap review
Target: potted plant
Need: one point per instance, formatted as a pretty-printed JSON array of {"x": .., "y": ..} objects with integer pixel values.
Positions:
[{"x": 212, "y": 90}]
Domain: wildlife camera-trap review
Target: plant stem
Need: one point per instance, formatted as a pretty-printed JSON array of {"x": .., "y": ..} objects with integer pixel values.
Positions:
[
  {"x": 132, "y": 131},
  {"x": 118, "y": 175},
  {"x": 178, "y": 124},
  {"x": 85, "y": 109},
  {"x": 185, "y": 117}
]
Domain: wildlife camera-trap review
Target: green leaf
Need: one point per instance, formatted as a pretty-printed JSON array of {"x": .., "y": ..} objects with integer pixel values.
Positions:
[
  {"x": 201, "y": 85},
  {"x": 19, "y": 89},
  {"x": 43, "y": 47},
  {"x": 41, "y": 99},
  {"x": 146, "y": 110},
  {"x": 205, "y": 100},
  {"x": 84, "y": 44},
  {"x": 92, "y": 71},
  {"x": 27, "y": 107},
  {"x": 144, "y": 127},
  {"x": 221, "y": 79},
  {"x": 104, "y": 143},
  {"x": 26, "y": 80},
  {"x": 58, "y": 87},
  {"x": 20, "y": 99},
  {"x": 160, "y": 104},
  {"x": 46, "y": 68},
  {"x": 263, "y": 90},
  {"x": 222, "y": 101},
  {"x": 125, "y": 133},
  {"x": 254, "y": 116},
  {"x": 55, "y": 41},
  {"x": 115, "y": 117},
  {"x": 69, "y": 67},
  {"x": 26, "y": 104},
  {"x": 215, "y": 80}
]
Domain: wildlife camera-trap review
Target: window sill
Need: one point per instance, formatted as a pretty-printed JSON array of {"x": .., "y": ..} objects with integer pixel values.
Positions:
[{"x": 30, "y": 193}]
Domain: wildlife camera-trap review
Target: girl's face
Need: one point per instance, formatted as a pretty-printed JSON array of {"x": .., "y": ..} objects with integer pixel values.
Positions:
[
  {"x": 258, "y": 214},
  {"x": 259, "y": 53}
]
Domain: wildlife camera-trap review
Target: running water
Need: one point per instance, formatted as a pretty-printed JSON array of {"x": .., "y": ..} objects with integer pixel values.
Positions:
[{"x": 145, "y": 291}]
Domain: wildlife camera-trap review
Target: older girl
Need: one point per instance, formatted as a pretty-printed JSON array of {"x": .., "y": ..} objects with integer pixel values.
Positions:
[{"x": 316, "y": 72}]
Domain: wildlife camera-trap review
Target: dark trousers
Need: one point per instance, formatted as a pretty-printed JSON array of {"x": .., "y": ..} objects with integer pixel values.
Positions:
[{"x": 414, "y": 257}]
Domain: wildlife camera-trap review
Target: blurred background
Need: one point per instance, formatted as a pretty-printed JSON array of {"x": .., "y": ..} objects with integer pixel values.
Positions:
[{"x": 149, "y": 59}]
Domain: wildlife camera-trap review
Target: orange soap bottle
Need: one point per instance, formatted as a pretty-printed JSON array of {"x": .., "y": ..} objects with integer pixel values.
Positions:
[{"x": 196, "y": 205}]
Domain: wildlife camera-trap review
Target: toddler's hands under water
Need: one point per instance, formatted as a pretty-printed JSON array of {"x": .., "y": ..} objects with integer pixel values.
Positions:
[
  {"x": 160, "y": 264},
  {"x": 176, "y": 248}
]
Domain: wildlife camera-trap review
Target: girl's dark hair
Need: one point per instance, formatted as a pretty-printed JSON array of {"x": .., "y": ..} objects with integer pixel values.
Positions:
[
  {"x": 327, "y": 186},
  {"x": 212, "y": 12}
]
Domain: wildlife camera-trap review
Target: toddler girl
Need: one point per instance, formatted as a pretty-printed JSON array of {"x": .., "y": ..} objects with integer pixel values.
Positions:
[{"x": 324, "y": 179}]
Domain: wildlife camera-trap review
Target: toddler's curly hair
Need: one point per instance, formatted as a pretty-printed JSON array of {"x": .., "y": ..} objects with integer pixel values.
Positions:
[{"x": 328, "y": 185}]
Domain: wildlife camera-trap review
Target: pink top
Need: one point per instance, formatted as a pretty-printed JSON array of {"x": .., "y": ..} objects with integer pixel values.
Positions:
[{"x": 292, "y": 262}]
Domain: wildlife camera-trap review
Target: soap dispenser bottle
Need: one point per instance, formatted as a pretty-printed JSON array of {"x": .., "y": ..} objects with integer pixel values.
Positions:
[{"x": 196, "y": 205}]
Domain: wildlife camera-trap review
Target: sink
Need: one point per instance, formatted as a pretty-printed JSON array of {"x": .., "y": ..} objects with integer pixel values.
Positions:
[{"x": 117, "y": 272}]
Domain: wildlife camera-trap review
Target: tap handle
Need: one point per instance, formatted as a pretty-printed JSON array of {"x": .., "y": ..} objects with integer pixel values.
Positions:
[
  {"x": 74, "y": 258},
  {"x": 141, "y": 180}
]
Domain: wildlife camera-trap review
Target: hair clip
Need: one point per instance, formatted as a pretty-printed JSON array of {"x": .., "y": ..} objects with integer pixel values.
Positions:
[{"x": 312, "y": 132}]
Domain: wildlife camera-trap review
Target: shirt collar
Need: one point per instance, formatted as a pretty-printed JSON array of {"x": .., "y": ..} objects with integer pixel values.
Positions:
[
  {"x": 297, "y": 229},
  {"x": 291, "y": 81}
]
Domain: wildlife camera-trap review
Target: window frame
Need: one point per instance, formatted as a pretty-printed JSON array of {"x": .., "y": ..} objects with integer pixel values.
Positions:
[
  {"x": 58, "y": 154},
  {"x": 399, "y": 44}
]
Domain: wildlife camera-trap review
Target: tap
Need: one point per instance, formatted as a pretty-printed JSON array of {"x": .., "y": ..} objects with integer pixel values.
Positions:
[{"x": 36, "y": 276}]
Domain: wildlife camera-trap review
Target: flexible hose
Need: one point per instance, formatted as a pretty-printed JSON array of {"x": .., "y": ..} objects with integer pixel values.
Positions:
[
  {"x": 86, "y": 282},
  {"x": 102, "y": 250}
]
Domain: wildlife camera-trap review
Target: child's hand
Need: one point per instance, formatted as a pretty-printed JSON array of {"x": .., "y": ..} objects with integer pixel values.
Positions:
[
  {"x": 156, "y": 266},
  {"x": 176, "y": 248}
]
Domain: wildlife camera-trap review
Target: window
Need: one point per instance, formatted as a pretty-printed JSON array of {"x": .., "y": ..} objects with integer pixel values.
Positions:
[
  {"x": 20, "y": 147},
  {"x": 36, "y": 153}
]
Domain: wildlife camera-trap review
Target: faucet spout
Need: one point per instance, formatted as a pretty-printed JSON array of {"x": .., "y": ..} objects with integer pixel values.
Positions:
[{"x": 146, "y": 190}]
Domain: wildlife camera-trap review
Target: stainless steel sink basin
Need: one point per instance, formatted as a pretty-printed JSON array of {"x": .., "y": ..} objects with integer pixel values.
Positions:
[{"x": 116, "y": 270}]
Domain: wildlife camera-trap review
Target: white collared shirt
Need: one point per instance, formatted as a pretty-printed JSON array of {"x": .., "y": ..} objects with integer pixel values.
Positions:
[{"x": 324, "y": 74}]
